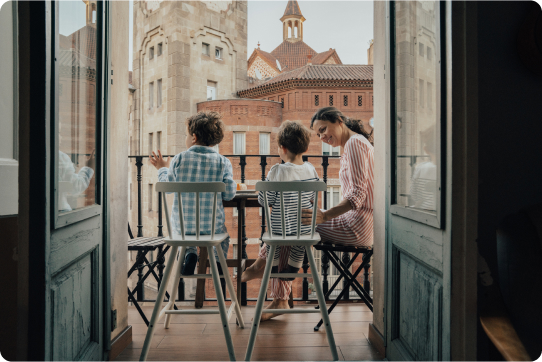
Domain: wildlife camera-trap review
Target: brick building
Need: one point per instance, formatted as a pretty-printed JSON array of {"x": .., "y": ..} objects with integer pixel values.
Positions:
[
  {"x": 199, "y": 78},
  {"x": 297, "y": 82},
  {"x": 291, "y": 53}
]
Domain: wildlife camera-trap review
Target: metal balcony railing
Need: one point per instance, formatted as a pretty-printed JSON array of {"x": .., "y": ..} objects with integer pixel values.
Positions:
[{"x": 325, "y": 263}]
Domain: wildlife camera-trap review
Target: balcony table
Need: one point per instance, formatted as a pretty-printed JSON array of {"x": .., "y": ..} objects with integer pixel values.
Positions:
[{"x": 242, "y": 200}]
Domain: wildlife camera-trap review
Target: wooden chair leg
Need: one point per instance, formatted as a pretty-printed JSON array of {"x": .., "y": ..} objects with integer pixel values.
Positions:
[
  {"x": 229, "y": 285},
  {"x": 322, "y": 304},
  {"x": 259, "y": 304},
  {"x": 202, "y": 269},
  {"x": 220, "y": 301},
  {"x": 175, "y": 286},
  {"x": 158, "y": 305}
]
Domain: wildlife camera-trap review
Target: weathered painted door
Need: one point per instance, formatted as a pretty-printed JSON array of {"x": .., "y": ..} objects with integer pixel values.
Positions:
[
  {"x": 418, "y": 236},
  {"x": 75, "y": 293}
]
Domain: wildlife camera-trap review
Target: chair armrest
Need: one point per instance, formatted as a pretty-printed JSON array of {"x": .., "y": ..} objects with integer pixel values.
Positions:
[{"x": 499, "y": 328}]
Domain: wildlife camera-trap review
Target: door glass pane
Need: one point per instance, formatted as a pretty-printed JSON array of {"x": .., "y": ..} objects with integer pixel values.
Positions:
[
  {"x": 76, "y": 74},
  {"x": 417, "y": 103}
]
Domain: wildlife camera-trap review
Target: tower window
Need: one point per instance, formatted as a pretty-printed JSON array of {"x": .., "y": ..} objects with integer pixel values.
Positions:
[
  {"x": 345, "y": 101},
  {"x": 421, "y": 49},
  {"x": 151, "y": 53},
  {"x": 159, "y": 93},
  {"x": 218, "y": 53},
  {"x": 360, "y": 101},
  {"x": 317, "y": 100},
  {"x": 205, "y": 49},
  {"x": 331, "y": 100},
  {"x": 282, "y": 102},
  {"x": 159, "y": 49}
]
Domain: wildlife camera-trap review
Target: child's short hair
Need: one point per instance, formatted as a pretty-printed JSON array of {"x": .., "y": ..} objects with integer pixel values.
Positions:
[
  {"x": 207, "y": 126},
  {"x": 294, "y": 136}
]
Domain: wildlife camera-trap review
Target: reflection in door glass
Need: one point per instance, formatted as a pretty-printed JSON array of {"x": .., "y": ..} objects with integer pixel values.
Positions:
[
  {"x": 76, "y": 90},
  {"x": 417, "y": 59}
]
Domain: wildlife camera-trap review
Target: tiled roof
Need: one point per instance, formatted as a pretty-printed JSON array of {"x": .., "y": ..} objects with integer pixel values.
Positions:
[
  {"x": 315, "y": 75},
  {"x": 292, "y": 8},
  {"x": 320, "y": 58},
  {"x": 326, "y": 72},
  {"x": 292, "y": 55}
]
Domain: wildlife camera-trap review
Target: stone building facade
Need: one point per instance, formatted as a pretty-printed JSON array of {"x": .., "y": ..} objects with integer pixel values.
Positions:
[{"x": 184, "y": 52}]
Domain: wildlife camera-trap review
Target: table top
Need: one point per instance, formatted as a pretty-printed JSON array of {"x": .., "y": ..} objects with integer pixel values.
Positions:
[{"x": 246, "y": 195}]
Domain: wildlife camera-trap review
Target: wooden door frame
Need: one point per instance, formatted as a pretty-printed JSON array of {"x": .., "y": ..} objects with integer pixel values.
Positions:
[
  {"x": 462, "y": 134},
  {"x": 35, "y": 196}
]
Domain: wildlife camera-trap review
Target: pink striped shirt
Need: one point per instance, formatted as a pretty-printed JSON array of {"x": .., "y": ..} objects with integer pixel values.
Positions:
[{"x": 357, "y": 181}]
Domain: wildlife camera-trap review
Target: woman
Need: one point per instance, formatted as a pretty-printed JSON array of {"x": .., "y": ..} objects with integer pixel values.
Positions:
[{"x": 351, "y": 221}]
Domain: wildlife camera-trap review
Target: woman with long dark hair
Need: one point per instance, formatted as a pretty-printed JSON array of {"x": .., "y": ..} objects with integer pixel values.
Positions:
[{"x": 351, "y": 221}]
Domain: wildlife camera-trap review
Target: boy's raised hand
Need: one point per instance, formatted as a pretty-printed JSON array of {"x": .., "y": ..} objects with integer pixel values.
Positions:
[{"x": 159, "y": 161}]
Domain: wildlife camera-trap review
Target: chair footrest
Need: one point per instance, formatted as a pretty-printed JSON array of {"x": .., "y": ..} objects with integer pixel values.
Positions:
[
  {"x": 291, "y": 311},
  {"x": 193, "y": 311},
  {"x": 290, "y": 275},
  {"x": 199, "y": 276}
]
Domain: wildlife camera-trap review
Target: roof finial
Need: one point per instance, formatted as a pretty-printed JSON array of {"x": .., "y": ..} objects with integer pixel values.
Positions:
[{"x": 258, "y": 44}]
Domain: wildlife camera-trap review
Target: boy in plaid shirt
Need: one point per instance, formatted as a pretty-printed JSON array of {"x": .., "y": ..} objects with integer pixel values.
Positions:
[{"x": 199, "y": 163}]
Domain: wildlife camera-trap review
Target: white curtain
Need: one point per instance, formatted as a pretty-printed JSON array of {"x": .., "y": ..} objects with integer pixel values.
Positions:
[
  {"x": 264, "y": 143},
  {"x": 239, "y": 143}
]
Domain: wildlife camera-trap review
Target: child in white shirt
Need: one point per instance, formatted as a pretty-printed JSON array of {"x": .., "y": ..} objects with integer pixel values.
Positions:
[{"x": 293, "y": 141}]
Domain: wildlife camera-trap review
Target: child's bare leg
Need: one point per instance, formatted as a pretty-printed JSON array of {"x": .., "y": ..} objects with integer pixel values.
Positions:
[
  {"x": 254, "y": 271},
  {"x": 276, "y": 304}
]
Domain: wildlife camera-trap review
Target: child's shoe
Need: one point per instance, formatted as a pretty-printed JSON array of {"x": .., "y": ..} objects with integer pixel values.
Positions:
[{"x": 189, "y": 265}]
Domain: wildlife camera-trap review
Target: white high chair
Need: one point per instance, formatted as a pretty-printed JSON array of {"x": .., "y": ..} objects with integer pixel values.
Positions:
[
  {"x": 294, "y": 240},
  {"x": 208, "y": 241}
]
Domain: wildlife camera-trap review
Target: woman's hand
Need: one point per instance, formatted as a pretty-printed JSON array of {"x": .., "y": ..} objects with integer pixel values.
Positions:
[
  {"x": 159, "y": 161},
  {"x": 306, "y": 215}
]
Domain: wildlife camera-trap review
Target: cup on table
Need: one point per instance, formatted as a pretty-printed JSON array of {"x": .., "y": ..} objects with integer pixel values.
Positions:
[{"x": 241, "y": 187}]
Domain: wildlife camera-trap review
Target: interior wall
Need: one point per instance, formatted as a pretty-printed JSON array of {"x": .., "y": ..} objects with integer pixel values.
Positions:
[
  {"x": 510, "y": 127},
  {"x": 118, "y": 165},
  {"x": 8, "y": 281},
  {"x": 380, "y": 116}
]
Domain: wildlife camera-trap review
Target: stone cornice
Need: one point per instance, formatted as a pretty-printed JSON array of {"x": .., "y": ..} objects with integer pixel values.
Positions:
[{"x": 302, "y": 83}]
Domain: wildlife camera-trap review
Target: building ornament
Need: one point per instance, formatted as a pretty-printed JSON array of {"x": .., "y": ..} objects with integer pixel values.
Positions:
[{"x": 297, "y": 83}]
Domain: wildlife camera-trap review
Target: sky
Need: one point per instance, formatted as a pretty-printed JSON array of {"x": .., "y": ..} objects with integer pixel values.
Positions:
[{"x": 346, "y": 26}]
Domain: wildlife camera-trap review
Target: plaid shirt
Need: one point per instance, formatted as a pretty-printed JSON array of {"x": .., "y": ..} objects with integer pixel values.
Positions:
[{"x": 199, "y": 164}]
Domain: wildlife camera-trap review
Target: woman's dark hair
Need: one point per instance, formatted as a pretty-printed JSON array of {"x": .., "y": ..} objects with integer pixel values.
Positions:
[
  {"x": 207, "y": 126},
  {"x": 332, "y": 114}
]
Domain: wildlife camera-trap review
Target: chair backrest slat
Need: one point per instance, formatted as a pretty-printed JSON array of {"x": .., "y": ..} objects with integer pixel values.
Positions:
[
  {"x": 190, "y": 187},
  {"x": 197, "y": 215},
  {"x": 299, "y": 216},
  {"x": 167, "y": 214},
  {"x": 282, "y": 217},
  {"x": 214, "y": 216},
  {"x": 268, "y": 217},
  {"x": 290, "y": 186},
  {"x": 314, "y": 208}
]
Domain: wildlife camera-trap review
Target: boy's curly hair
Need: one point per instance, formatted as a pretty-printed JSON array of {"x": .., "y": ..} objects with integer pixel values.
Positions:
[
  {"x": 294, "y": 136},
  {"x": 207, "y": 126}
]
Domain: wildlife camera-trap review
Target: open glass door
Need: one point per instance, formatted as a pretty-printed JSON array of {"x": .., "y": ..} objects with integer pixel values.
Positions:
[
  {"x": 418, "y": 239},
  {"x": 75, "y": 280}
]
